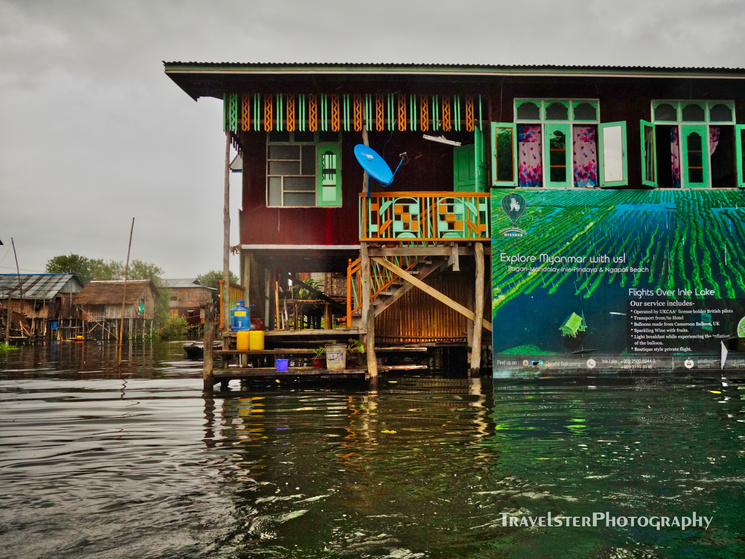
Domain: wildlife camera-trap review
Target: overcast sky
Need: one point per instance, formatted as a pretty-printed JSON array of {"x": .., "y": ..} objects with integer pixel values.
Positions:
[{"x": 92, "y": 132}]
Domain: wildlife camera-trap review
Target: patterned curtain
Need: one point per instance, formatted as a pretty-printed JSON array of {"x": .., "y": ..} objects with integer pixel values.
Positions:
[
  {"x": 529, "y": 155},
  {"x": 714, "y": 134},
  {"x": 675, "y": 157},
  {"x": 585, "y": 156}
]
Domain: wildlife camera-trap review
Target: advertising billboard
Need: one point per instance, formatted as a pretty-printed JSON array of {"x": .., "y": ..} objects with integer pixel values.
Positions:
[{"x": 617, "y": 279}]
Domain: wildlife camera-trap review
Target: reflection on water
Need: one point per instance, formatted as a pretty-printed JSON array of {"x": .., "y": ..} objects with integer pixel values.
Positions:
[{"x": 98, "y": 462}]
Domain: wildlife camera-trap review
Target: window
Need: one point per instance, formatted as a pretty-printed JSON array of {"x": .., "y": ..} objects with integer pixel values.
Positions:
[
  {"x": 691, "y": 144},
  {"x": 558, "y": 143},
  {"x": 303, "y": 169}
]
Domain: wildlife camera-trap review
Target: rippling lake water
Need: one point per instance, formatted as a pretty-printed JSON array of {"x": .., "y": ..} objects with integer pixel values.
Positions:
[{"x": 101, "y": 462}]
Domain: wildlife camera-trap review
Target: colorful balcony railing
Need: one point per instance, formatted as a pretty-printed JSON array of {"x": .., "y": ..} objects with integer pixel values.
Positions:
[{"x": 424, "y": 216}]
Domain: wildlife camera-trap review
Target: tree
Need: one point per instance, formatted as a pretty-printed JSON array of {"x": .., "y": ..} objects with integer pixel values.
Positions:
[
  {"x": 213, "y": 277},
  {"x": 139, "y": 270},
  {"x": 102, "y": 270},
  {"x": 71, "y": 264}
]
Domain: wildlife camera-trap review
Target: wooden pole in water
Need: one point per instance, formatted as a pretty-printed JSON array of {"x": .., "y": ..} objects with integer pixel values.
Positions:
[
  {"x": 209, "y": 333},
  {"x": 368, "y": 313},
  {"x": 478, "y": 311},
  {"x": 226, "y": 239},
  {"x": 124, "y": 290}
]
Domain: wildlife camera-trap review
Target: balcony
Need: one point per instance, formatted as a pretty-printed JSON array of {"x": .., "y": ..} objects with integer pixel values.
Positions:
[{"x": 424, "y": 216}]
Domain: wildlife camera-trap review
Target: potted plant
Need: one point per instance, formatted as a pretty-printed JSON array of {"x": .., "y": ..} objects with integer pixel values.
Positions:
[
  {"x": 318, "y": 359},
  {"x": 354, "y": 349}
]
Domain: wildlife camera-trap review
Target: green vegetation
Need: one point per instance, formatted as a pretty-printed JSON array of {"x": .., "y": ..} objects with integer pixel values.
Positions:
[
  {"x": 355, "y": 346},
  {"x": 213, "y": 277},
  {"x": 174, "y": 328},
  {"x": 97, "y": 269},
  {"x": 301, "y": 292},
  {"x": 5, "y": 348}
]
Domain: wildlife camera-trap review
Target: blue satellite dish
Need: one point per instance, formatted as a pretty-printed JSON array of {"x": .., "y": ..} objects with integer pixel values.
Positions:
[{"x": 375, "y": 165}]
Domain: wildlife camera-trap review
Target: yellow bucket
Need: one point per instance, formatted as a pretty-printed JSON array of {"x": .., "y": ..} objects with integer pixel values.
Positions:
[
  {"x": 256, "y": 340},
  {"x": 241, "y": 343}
]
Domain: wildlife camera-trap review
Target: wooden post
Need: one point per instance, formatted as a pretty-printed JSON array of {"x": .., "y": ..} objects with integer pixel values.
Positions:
[
  {"x": 277, "y": 314},
  {"x": 8, "y": 316},
  {"x": 226, "y": 239},
  {"x": 267, "y": 299},
  {"x": 478, "y": 311},
  {"x": 246, "y": 268},
  {"x": 368, "y": 316},
  {"x": 124, "y": 290},
  {"x": 209, "y": 334}
]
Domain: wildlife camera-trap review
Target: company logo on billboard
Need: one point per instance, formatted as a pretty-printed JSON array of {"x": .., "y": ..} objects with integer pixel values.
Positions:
[{"x": 513, "y": 205}]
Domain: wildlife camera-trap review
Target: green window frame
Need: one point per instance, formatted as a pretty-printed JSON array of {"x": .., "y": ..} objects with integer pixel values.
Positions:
[
  {"x": 504, "y": 154},
  {"x": 582, "y": 108},
  {"x": 557, "y": 119},
  {"x": 480, "y": 160},
  {"x": 556, "y": 110},
  {"x": 693, "y": 120},
  {"x": 328, "y": 184},
  {"x": 649, "y": 154},
  {"x": 739, "y": 142},
  {"x": 557, "y": 149},
  {"x": 694, "y": 156},
  {"x": 612, "y": 157},
  {"x": 302, "y": 171}
]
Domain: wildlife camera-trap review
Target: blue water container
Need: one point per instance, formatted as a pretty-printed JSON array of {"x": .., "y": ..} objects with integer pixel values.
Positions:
[{"x": 240, "y": 317}]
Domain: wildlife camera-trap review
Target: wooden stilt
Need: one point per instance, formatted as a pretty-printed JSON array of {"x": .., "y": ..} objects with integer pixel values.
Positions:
[
  {"x": 209, "y": 333},
  {"x": 277, "y": 315},
  {"x": 226, "y": 238},
  {"x": 478, "y": 312},
  {"x": 368, "y": 317},
  {"x": 124, "y": 289}
]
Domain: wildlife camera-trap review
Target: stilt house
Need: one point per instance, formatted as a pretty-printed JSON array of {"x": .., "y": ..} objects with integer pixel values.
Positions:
[
  {"x": 188, "y": 298},
  {"x": 599, "y": 192},
  {"x": 37, "y": 303},
  {"x": 101, "y": 303}
]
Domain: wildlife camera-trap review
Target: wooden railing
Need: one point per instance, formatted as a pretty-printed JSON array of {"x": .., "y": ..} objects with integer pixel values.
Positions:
[
  {"x": 424, "y": 216},
  {"x": 380, "y": 279}
]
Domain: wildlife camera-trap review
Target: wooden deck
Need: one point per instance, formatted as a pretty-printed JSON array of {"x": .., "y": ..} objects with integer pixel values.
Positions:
[{"x": 225, "y": 363}]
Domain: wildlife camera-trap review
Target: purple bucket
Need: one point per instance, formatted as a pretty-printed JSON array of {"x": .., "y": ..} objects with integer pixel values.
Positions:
[{"x": 282, "y": 365}]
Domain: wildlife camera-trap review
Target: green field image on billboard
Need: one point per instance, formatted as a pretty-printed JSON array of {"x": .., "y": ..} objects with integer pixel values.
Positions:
[{"x": 590, "y": 248}]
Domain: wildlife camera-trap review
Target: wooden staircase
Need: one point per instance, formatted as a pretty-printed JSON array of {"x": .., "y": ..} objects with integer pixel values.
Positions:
[{"x": 385, "y": 287}]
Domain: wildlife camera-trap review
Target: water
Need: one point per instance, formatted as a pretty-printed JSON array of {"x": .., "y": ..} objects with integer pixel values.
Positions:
[{"x": 98, "y": 463}]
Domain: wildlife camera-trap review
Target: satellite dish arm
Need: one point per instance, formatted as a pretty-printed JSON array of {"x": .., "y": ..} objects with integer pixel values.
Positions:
[{"x": 403, "y": 157}]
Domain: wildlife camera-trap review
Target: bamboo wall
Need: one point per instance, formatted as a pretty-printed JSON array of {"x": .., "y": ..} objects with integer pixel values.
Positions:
[{"x": 419, "y": 318}]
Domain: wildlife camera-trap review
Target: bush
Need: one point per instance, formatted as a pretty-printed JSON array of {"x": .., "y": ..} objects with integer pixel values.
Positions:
[{"x": 174, "y": 328}]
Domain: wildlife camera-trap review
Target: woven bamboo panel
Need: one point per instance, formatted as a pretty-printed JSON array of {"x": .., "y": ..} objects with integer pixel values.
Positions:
[{"x": 418, "y": 317}]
